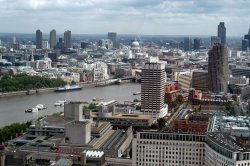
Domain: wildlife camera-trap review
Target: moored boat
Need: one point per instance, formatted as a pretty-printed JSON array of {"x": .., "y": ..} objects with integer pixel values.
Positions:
[{"x": 68, "y": 88}]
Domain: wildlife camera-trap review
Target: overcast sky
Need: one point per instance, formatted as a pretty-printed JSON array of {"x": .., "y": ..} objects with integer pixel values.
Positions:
[{"x": 155, "y": 17}]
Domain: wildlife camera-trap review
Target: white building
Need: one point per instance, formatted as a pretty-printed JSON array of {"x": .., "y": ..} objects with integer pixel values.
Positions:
[
  {"x": 100, "y": 70},
  {"x": 169, "y": 149},
  {"x": 188, "y": 149},
  {"x": 152, "y": 89},
  {"x": 221, "y": 150},
  {"x": 43, "y": 64}
]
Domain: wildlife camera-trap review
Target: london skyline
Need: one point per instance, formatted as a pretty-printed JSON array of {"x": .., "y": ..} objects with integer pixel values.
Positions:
[{"x": 178, "y": 17}]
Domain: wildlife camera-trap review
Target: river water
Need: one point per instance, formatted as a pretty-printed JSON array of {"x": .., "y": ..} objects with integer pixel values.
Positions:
[{"x": 12, "y": 108}]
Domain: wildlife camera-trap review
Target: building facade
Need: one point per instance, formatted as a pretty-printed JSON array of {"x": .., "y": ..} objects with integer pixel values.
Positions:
[
  {"x": 112, "y": 36},
  {"x": 52, "y": 39},
  {"x": 39, "y": 39},
  {"x": 222, "y": 32},
  {"x": 218, "y": 68},
  {"x": 152, "y": 89},
  {"x": 168, "y": 149},
  {"x": 67, "y": 39},
  {"x": 187, "y": 44},
  {"x": 200, "y": 80},
  {"x": 197, "y": 43}
]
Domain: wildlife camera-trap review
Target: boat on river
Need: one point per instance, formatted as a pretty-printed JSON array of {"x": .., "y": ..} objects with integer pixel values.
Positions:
[
  {"x": 40, "y": 107},
  {"x": 32, "y": 110},
  {"x": 136, "y": 93},
  {"x": 59, "y": 103},
  {"x": 68, "y": 88}
]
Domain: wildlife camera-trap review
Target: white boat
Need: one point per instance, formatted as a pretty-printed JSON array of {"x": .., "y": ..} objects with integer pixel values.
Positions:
[
  {"x": 68, "y": 88},
  {"x": 137, "y": 93},
  {"x": 32, "y": 110},
  {"x": 59, "y": 103},
  {"x": 40, "y": 107}
]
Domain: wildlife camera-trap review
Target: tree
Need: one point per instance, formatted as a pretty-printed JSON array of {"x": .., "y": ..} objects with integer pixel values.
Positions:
[
  {"x": 92, "y": 106},
  {"x": 161, "y": 123},
  {"x": 24, "y": 82},
  {"x": 136, "y": 100},
  {"x": 154, "y": 126}
]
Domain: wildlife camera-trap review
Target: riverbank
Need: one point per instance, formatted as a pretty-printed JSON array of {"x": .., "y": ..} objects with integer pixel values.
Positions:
[
  {"x": 47, "y": 90},
  {"x": 28, "y": 92}
]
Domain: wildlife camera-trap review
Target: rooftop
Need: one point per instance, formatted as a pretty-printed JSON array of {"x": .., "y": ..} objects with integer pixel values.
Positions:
[{"x": 227, "y": 141}]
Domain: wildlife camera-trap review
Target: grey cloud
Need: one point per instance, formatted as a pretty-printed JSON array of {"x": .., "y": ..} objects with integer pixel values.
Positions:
[{"x": 98, "y": 16}]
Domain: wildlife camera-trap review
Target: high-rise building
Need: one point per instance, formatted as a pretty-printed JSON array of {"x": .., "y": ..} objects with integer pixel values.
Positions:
[
  {"x": 45, "y": 44},
  {"x": 222, "y": 32},
  {"x": 197, "y": 43},
  {"x": 245, "y": 44},
  {"x": 200, "y": 80},
  {"x": 67, "y": 39},
  {"x": 187, "y": 44},
  {"x": 218, "y": 68},
  {"x": 152, "y": 89},
  {"x": 14, "y": 40},
  {"x": 215, "y": 39},
  {"x": 39, "y": 39},
  {"x": 112, "y": 37},
  {"x": 52, "y": 39}
]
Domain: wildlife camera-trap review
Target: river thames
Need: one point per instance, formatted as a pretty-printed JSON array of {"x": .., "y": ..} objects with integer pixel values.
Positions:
[{"x": 12, "y": 108}]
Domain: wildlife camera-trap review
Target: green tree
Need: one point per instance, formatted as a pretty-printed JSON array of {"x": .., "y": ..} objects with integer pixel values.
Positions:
[
  {"x": 161, "y": 123},
  {"x": 92, "y": 106}
]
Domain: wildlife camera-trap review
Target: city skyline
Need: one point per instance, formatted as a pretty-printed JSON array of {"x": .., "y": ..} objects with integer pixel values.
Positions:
[{"x": 125, "y": 17}]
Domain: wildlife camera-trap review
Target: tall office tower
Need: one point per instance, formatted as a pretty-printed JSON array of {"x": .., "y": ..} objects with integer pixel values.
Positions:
[
  {"x": 218, "y": 68},
  {"x": 52, "y": 39},
  {"x": 152, "y": 89},
  {"x": 67, "y": 39},
  {"x": 245, "y": 45},
  {"x": 197, "y": 43},
  {"x": 112, "y": 37},
  {"x": 187, "y": 44},
  {"x": 14, "y": 40},
  {"x": 222, "y": 32},
  {"x": 215, "y": 39},
  {"x": 247, "y": 37},
  {"x": 39, "y": 39}
]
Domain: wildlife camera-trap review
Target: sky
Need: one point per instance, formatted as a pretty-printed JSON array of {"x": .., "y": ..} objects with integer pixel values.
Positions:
[{"x": 150, "y": 17}]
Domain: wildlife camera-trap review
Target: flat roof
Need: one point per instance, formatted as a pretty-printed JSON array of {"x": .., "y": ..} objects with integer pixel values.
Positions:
[
  {"x": 125, "y": 116},
  {"x": 99, "y": 128},
  {"x": 227, "y": 141}
]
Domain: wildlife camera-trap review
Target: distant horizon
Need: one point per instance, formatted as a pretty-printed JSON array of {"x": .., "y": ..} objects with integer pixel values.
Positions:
[
  {"x": 150, "y": 17},
  {"x": 118, "y": 34}
]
